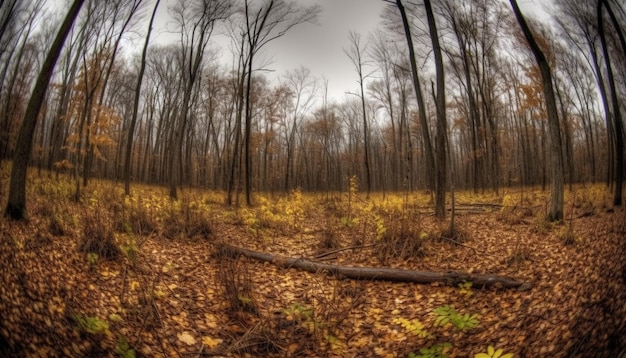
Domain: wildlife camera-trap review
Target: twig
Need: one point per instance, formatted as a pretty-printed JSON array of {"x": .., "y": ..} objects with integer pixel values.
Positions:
[
  {"x": 461, "y": 244},
  {"x": 318, "y": 256}
]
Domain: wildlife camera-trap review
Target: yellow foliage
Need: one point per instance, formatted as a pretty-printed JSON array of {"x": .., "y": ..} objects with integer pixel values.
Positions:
[
  {"x": 211, "y": 342},
  {"x": 493, "y": 353}
]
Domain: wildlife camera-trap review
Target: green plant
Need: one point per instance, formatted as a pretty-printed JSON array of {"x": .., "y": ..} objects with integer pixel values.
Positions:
[
  {"x": 295, "y": 208},
  {"x": 89, "y": 324},
  {"x": 447, "y": 314},
  {"x": 348, "y": 221},
  {"x": 439, "y": 350},
  {"x": 493, "y": 353},
  {"x": 129, "y": 248},
  {"x": 300, "y": 313},
  {"x": 414, "y": 326},
  {"x": 466, "y": 289},
  {"x": 123, "y": 348},
  {"x": 298, "y": 310},
  {"x": 92, "y": 258}
]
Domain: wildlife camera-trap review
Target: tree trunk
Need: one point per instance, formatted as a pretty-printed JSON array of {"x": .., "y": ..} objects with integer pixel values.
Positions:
[
  {"x": 428, "y": 148},
  {"x": 16, "y": 207},
  {"x": 555, "y": 212},
  {"x": 366, "y": 145},
  {"x": 442, "y": 130},
  {"x": 452, "y": 278},
  {"x": 618, "y": 133},
  {"x": 133, "y": 121}
]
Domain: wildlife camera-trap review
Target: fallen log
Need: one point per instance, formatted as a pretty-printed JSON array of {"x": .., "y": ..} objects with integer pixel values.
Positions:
[{"x": 452, "y": 278}]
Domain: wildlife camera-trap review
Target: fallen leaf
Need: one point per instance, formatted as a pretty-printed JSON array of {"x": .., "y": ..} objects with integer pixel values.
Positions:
[
  {"x": 186, "y": 338},
  {"x": 211, "y": 342}
]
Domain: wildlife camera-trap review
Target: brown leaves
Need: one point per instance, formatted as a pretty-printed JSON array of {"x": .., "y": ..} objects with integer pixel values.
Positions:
[{"x": 172, "y": 304}]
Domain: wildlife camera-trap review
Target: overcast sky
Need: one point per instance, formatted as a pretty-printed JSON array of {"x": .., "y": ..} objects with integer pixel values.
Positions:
[{"x": 318, "y": 47}]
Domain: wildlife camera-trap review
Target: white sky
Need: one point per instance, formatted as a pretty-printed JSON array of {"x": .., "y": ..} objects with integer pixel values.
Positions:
[{"x": 318, "y": 47}]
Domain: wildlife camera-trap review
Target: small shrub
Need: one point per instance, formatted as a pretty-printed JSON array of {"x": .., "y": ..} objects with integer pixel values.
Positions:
[
  {"x": 334, "y": 306},
  {"x": 448, "y": 315},
  {"x": 186, "y": 219},
  {"x": 135, "y": 216},
  {"x": 98, "y": 237},
  {"x": 235, "y": 282},
  {"x": 56, "y": 226},
  {"x": 89, "y": 324},
  {"x": 328, "y": 238},
  {"x": 567, "y": 236},
  {"x": 401, "y": 240}
]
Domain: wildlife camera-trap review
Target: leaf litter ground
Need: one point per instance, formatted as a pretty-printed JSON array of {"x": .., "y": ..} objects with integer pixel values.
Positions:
[{"x": 181, "y": 297}]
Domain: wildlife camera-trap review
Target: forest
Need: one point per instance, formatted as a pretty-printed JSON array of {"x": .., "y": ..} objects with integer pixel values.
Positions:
[{"x": 183, "y": 198}]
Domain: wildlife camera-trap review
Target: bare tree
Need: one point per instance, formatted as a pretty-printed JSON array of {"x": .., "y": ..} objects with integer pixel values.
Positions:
[
  {"x": 555, "y": 213},
  {"x": 133, "y": 121},
  {"x": 17, "y": 67},
  {"x": 196, "y": 21},
  {"x": 263, "y": 24},
  {"x": 16, "y": 207},
  {"x": 421, "y": 106},
  {"x": 356, "y": 53},
  {"x": 302, "y": 85},
  {"x": 442, "y": 127},
  {"x": 617, "y": 112}
]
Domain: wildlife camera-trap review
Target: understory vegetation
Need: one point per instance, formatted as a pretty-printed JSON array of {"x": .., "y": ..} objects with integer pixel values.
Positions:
[{"x": 113, "y": 275}]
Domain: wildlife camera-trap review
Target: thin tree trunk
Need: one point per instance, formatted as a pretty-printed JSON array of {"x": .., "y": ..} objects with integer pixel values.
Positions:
[
  {"x": 133, "y": 121},
  {"x": 442, "y": 131},
  {"x": 366, "y": 145},
  {"x": 618, "y": 133},
  {"x": 555, "y": 212},
  {"x": 428, "y": 148},
  {"x": 16, "y": 207}
]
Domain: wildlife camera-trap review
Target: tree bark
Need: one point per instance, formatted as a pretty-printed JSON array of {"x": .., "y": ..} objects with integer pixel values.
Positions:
[
  {"x": 133, "y": 121},
  {"x": 556, "y": 158},
  {"x": 451, "y": 278},
  {"x": 617, "y": 113},
  {"x": 428, "y": 148},
  {"x": 442, "y": 130},
  {"x": 16, "y": 207}
]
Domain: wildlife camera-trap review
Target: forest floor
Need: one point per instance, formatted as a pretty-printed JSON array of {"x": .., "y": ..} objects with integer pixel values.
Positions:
[{"x": 146, "y": 276}]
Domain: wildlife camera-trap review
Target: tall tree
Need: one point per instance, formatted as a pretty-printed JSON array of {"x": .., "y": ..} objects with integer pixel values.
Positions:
[
  {"x": 269, "y": 21},
  {"x": 133, "y": 121},
  {"x": 442, "y": 126},
  {"x": 356, "y": 53},
  {"x": 617, "y": 112},
  {"x": 197, "y": 21},
  {"x": 16, "y": 207},
  {"x": 555, "y": 212},
  {"x": 421, "y": 106},
  {"x": 302, "y": 86}
]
